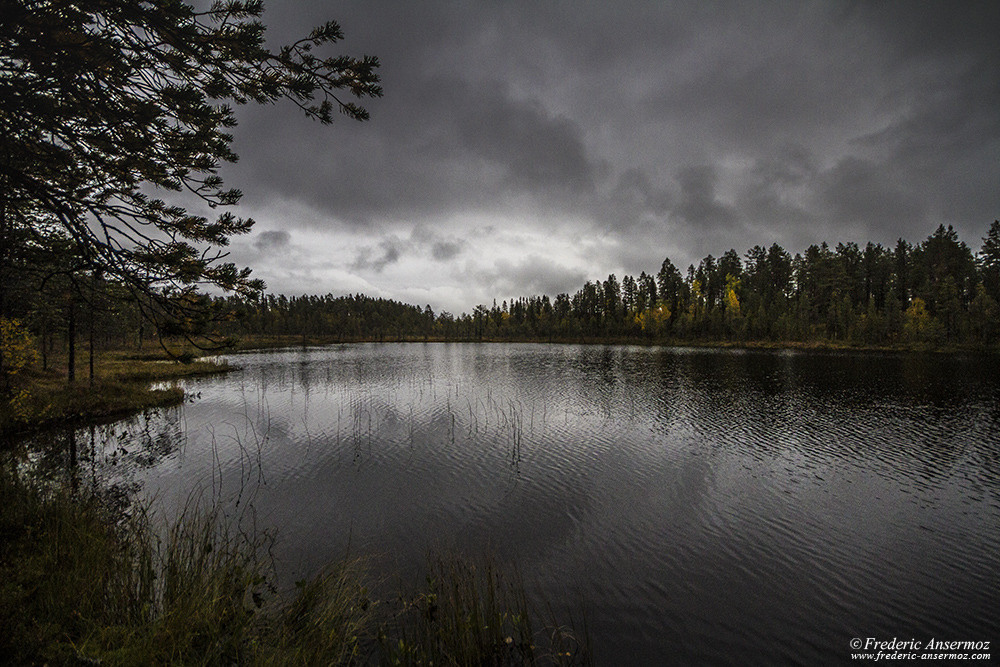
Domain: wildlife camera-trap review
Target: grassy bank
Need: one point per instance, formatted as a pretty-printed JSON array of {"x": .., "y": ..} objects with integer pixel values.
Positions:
[
  {"x": 84, "y": 581},
  {"x": 122, "y": 385}
]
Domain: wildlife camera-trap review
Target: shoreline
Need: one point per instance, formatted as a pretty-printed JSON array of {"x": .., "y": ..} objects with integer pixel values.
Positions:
[
  {"x": 123, "y": 379},
  {"x": 251, "y": 343},
  {"x": 122, "y": 386}
]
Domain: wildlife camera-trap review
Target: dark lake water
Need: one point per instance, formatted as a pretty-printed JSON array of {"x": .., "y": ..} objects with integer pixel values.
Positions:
[{"x": 700, "y": 505}]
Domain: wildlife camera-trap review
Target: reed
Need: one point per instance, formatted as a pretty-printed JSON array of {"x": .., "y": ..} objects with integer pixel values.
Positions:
[
  {"x": 474, "y": 614},
  {"x": 86, "y": 579}
]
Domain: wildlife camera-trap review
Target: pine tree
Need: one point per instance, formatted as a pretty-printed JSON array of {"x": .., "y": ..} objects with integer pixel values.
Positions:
[
  {"x": 989, "y": 261},
  {"x": 101, "y": 100}
]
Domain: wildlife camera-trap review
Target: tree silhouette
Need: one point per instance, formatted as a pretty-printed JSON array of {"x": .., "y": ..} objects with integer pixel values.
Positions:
[
  {"x": 989, "y": 261},
  {"x": 105, "y": 102}
]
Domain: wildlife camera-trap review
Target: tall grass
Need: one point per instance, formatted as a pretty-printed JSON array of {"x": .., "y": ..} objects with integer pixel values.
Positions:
[
  {"x": 84, "y": 580},
  {"x": 122, "y": 385},
  {"x": 473, "y": 614}
]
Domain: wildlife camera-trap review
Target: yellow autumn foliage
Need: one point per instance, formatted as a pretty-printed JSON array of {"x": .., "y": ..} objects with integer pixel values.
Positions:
[
  {"x": 919, "y": 325},
  {"x": 17, "y": 354},
  {"x": 732, "y": 301},
  {"x": 17, "y": 349},
  {"x": 653, "y": 320}
]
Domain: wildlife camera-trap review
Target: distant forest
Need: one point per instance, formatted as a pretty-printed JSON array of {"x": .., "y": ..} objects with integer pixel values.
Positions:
[{"x": 937, "y": 293}]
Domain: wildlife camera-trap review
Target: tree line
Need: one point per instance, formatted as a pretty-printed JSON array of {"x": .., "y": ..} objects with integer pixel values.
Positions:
[
  {"x": 937, "y": 293},
  {"x": 934, "y": 293}
]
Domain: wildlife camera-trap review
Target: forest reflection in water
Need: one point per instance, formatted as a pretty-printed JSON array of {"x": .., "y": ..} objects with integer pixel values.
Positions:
[{"x": 700, "y": 503}]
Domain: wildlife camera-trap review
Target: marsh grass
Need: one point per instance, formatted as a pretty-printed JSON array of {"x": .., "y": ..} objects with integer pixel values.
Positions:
[
  {"x": 474, "y": 614},
  {"x": 122, "y": 385},
  {"x": 86, "y": 578},
  {"x": 329, "y": 620}
]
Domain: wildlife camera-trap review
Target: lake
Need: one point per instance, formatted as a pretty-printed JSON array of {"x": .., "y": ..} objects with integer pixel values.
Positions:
[{"x": 697, "y": 505}]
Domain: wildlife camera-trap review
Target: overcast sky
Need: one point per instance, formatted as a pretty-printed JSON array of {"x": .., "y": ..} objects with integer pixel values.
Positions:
[{"x": 524, "y": 147}]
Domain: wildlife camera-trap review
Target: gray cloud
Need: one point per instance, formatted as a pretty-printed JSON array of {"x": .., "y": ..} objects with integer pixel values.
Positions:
[
  {"x": 535, "y": 150},
  {"x": 371, "y": 259},
  {"x": 654, "y": 128},
  {"x": 272, "y": 240},
  {"x": 635, "y": 202},
  {"x": 699, "y": 204},
  {"x": 452, "y": 146},
  {"x": 859, "y": 192},
  {"x": 445, "y": 250},
  {"x": 532, "y": 274}
]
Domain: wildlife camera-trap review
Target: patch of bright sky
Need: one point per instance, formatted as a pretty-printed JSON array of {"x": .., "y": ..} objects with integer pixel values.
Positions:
[{"x": 491, "y": 249}]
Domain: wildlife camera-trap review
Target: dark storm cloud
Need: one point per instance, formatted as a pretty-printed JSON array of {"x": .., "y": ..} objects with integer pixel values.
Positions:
[
  {"x": 272, "y": 240},
  {"x": 456, "y": 145},
  {"x": 773, "y": 200},
  {"x": 636, "y": 185},
  {"x": 859, "y": 192},
  {"x": 685, "y": 128},
  {"x": 699, "y": 205},
  {"x": 636, "y": 201},
  {"x": 933, "y": 29},
  {"x": 788, "y": 166},
  {"x": 535, "y": 150}
]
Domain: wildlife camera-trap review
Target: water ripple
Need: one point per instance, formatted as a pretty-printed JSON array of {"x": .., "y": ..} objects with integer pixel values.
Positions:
[{"x": 707, "y": 504}]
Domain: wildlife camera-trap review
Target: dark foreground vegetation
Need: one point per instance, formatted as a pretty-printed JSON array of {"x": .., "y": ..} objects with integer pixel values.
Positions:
[{"x": 87, "y": 578}]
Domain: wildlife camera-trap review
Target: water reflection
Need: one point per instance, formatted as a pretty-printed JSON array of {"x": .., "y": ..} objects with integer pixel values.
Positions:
[{"x": 707, "y": 504}]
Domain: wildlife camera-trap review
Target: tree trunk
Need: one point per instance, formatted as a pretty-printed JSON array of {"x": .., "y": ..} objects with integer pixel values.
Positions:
[
  {"x": 71, "y": 336},
  {"x": 90, "y": 326},
  {"x": 45, "y": 350},
  {"x": 90, "y": 350}
]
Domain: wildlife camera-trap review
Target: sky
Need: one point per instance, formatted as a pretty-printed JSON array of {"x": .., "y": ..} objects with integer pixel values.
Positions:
[{"x": 525, "y": 147}]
